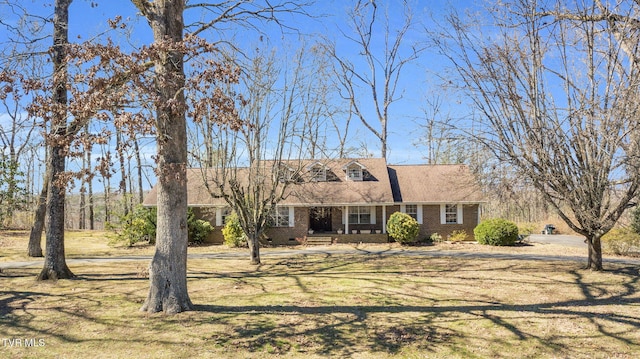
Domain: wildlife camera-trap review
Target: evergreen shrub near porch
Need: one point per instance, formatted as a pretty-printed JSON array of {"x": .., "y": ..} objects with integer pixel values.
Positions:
[{"x": 403, "y": 228}]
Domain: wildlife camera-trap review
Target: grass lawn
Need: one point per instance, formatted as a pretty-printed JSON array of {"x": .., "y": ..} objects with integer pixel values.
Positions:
[{"x": 330, "y": 305}]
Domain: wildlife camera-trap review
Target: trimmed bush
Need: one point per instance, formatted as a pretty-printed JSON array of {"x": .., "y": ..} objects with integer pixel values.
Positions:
[
  {"x": 621, "y": 241},
  {"x": 233, "y": 234},
  {"x": 496, "y": 232},
  {"x": 403, "y": 228},
  {"x": 198, "y": 229}
]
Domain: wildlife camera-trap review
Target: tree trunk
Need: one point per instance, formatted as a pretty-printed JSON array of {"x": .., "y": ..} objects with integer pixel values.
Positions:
[
  {"x": 35, "y": 237},
  {"x": 90, "y": 185},
  {"x": 139, "y": 162},
  {"x": 55, "y": 266},
  {"x": 168, "y": 271},
  {"x": 595, "y": 253},
  {"x": 254, "y": 250},
  {"x": 123, "y": 172}
]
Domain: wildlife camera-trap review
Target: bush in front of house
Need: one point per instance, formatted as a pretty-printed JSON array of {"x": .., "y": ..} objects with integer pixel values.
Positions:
[
  {"x": 458, "y": 236},
  {"x": 198, "y": 229},
  {"x": 136, "y": 226},
  {"x": 403, "y": 228},
  {"x": 233, "y": 234},
  {"x": 496, "y": 232},
  {"x": 621, "y": 241}
]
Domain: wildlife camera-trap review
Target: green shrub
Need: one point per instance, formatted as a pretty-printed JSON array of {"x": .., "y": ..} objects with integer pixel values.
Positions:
[
  {"x": 435, "y": 238},
  {"x": 458, "y": 236},
  {"x": 496, "y": 232},
  {"x": 527, "y": 228},
  {"x": 403, "y": 228},
  {"x": 621, "y": 241},
  {"x": 136, "y": 226},
  {"x": 233, "y": 234},
  {"x": 140, "y": 225},
  {"x": 198, "y": 229}
]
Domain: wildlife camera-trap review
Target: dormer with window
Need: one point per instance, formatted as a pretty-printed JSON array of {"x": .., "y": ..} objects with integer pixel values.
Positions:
[
  {"x": 286, "y": 174},
  {"x": 317, "y": 172},
  {"x": 354, "y": 171}
]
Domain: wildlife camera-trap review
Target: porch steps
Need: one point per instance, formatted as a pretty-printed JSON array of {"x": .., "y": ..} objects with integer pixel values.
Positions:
[{"x": 319, "y": 240}]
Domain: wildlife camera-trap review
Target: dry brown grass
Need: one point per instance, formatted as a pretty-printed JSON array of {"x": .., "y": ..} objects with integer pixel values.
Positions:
[{"x": 335, "y": 305}]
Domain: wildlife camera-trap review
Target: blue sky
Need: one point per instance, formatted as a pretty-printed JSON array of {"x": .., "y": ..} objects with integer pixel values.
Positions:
[{"x": 88, "y": 18}]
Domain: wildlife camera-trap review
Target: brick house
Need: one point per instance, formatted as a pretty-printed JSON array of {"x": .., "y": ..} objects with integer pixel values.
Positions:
[{"x": 350, "y": 200}]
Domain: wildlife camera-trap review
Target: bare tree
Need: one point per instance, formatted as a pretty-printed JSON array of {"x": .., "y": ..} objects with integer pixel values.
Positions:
[
  {"x": 443, "y": 142},
  {"x": 371, "y": 84},
  {"x": 559, "y": 102},
  {"x": 252, "y": 168}
]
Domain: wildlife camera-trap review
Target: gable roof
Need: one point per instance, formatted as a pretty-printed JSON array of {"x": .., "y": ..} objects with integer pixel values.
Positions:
[
  {"x": 434, "y": 184},
  {"x": 381, "y": 184}
]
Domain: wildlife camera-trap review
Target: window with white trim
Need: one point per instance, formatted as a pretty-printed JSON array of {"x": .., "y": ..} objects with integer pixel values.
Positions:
[
  {"x": 360, "y": 215},
  {"x": 221, "y": 215},
  {"x": 224, "y": 213},
  {"x": 280, "y": 217},
  {"x": 412, "y": 210},
  {"x": 318, "y": 173},
  {"x": 451, "y": 214},
  {"x": 354, "y": 173}
]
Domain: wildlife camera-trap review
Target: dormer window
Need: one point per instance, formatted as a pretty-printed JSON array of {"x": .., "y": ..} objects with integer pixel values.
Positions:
[
  {"x": 354, "y": 171},
  {"x": 318, "y": 172},
  {"x": 286, "y": 174}
]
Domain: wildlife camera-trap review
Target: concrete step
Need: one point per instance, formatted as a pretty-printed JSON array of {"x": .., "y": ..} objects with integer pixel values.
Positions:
[{"x": 319, "y": 240}]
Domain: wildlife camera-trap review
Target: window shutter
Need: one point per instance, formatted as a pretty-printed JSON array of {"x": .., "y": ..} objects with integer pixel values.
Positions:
[
  {"x": 443, "y": 216},
  {"x": 291, "y": 216},
  {"x": 419, "y": 213},
  {"x": 219, "y": 217},
  {"x": 459, "y": 207},
  {"x": 403, "y": 208},
  {"x": 373, "y": 214}
]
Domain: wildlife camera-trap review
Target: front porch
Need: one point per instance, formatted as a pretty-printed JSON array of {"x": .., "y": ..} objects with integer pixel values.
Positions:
[{"x": 347, "y": 220}]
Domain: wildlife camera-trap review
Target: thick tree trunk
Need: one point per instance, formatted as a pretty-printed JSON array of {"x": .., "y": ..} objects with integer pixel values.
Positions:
[
  {"x": 35, "y": 237},
  {"x": 55, "y": 266},
  {"x": 168, "y": 271},
  {"x": 595, "y": 253}
]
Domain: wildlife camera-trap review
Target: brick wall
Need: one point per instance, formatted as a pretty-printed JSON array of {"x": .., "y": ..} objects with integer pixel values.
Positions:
[{"x": 287, "y": 235}]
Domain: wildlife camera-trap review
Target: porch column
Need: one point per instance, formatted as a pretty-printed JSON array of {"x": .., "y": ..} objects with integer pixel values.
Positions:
[
  {"x": 346, "y": 219},
  {"x": 384, "y": 218}
]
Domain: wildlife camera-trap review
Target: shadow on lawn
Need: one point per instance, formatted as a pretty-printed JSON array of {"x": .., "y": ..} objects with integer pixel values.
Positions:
[
  {"x": 343, "y": 330},
  {"x": 388, "y": 325}
]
